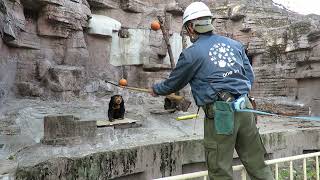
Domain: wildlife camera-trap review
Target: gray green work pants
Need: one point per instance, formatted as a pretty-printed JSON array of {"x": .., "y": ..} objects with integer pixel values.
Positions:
[{"x": 245, "y": 139}]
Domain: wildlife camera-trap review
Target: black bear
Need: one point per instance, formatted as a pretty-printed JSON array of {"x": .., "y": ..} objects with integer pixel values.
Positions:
[{"x": 116, "y": 108}]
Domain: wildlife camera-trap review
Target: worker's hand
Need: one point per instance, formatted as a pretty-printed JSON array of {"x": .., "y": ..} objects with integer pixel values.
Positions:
[
  {"x": 174, "y": 97},
  {"x": 152, "y": 93}
]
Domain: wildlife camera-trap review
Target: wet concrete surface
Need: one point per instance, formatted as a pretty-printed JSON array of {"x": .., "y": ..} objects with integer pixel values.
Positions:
[{"x": 25, "y": 148}]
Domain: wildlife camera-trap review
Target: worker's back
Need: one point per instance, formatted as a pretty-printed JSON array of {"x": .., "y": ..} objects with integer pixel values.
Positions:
[{"x": 222, "y": 65}]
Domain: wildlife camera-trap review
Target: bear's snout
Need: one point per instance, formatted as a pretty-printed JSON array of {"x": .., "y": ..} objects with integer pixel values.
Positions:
[{"x": 118, "y": 100}]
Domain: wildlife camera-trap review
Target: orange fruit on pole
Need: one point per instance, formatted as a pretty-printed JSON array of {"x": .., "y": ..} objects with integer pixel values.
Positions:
[
  {"x": 155, "y": 25},
  {"x": 123, "y": 82}
]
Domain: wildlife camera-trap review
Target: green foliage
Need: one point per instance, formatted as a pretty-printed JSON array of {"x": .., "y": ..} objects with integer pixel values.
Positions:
[
  {"x": 11, "y": 157},
  {"x": 284, "y": 173}
]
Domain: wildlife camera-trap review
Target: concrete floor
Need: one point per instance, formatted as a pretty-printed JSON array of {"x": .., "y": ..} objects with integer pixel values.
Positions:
[{"x": 282, "y": 136}]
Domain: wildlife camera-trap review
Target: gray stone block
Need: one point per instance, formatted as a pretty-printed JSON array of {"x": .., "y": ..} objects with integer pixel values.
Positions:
[
  {"x": 109, "y": 4},
  {"x": 59, "y": 127},
  {"x": 174, "y": 9},
  {"x": 66, "y": 129},
  {"x": 134, "y": 6},
  {"x": 85, "y": 128}
]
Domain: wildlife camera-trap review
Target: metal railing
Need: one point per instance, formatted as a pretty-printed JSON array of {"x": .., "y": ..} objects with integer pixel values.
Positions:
[{"x": 274, "y": 162}]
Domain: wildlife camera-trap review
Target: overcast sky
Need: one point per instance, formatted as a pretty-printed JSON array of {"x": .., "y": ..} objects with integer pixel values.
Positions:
[{"x": 302, "y": 6}]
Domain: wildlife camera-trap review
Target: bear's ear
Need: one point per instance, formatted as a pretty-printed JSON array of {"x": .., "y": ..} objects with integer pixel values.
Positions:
[
  {"x": 122, "y": 102},
  {"x": 112, "y": 98},
  {"x": 111, "y": 103}
]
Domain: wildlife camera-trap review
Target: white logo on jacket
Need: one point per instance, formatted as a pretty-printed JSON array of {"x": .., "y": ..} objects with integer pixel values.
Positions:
[{"x": 222, "y": 55}]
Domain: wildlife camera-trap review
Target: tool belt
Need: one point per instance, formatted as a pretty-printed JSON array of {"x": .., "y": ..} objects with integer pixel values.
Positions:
[
  {"x": 223, "y": 110},
  {"x": 221, "y": 96},
  {"x": 254, "y": 106}
]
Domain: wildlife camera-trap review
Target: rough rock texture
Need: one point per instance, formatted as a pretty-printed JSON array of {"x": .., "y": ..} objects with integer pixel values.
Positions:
[
  {"x": 41, "y": 35},
  {"x": 48, "y": 51},
  {"x": 115, "y": 164}
]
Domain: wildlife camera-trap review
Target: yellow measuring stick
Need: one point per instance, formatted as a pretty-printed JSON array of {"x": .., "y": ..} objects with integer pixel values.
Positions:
[{"x": 186, "y": 117}]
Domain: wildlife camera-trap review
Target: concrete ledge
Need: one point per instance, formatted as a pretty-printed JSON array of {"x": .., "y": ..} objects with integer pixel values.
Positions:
[{"x": 160, "y": 160}]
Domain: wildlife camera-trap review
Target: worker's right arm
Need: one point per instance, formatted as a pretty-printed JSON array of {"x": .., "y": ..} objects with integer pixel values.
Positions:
[
  {"x": 180, "y": 76},
  {"x": 247, "y": 66}
]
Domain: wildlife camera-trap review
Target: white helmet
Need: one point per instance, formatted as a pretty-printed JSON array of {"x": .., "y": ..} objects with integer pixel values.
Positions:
[{"x": 196, "y": 10}]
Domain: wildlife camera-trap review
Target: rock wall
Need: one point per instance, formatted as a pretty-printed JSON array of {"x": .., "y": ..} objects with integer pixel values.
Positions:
[
  {"x": 46, "y": 41},
  {"x": 56, "y": 55}
]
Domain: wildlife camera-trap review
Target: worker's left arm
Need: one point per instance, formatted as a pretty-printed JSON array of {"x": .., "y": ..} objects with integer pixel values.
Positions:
[
  {"x": 247, "y": 66},
  {"x": 179, "y": 77}
]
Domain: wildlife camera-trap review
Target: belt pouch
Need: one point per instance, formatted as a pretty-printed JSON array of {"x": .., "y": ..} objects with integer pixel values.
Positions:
[{"x": 224, "y": 118}]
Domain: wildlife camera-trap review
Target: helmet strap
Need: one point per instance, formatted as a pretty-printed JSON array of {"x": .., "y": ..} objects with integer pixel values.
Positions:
[{"x": 193, "y": 35}]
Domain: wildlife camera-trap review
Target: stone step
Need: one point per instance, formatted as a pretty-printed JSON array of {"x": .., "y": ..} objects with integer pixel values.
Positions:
[
  {"x": 281, "y": 107},
  {"x": 174, "y": 9},
  {"x": 134, "y": 6},
  {"x": 8, "y": 127},
  {"x": 314, "y": 59},
  {"x": 308, "y": 68},
  {"x": 156, "y": 67},
  {"x": 10, "y": 130},
  {"x": 68, "y": 68},
  {"x": 109, "y": 4},
  {"x": 308, "y": 61},
  {"x": 7, "y": 167},
  {"x": 314, "y": 35}
]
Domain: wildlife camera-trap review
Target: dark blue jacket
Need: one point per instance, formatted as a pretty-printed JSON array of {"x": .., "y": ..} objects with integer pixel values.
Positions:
[{"x": 213, "y": 63}]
